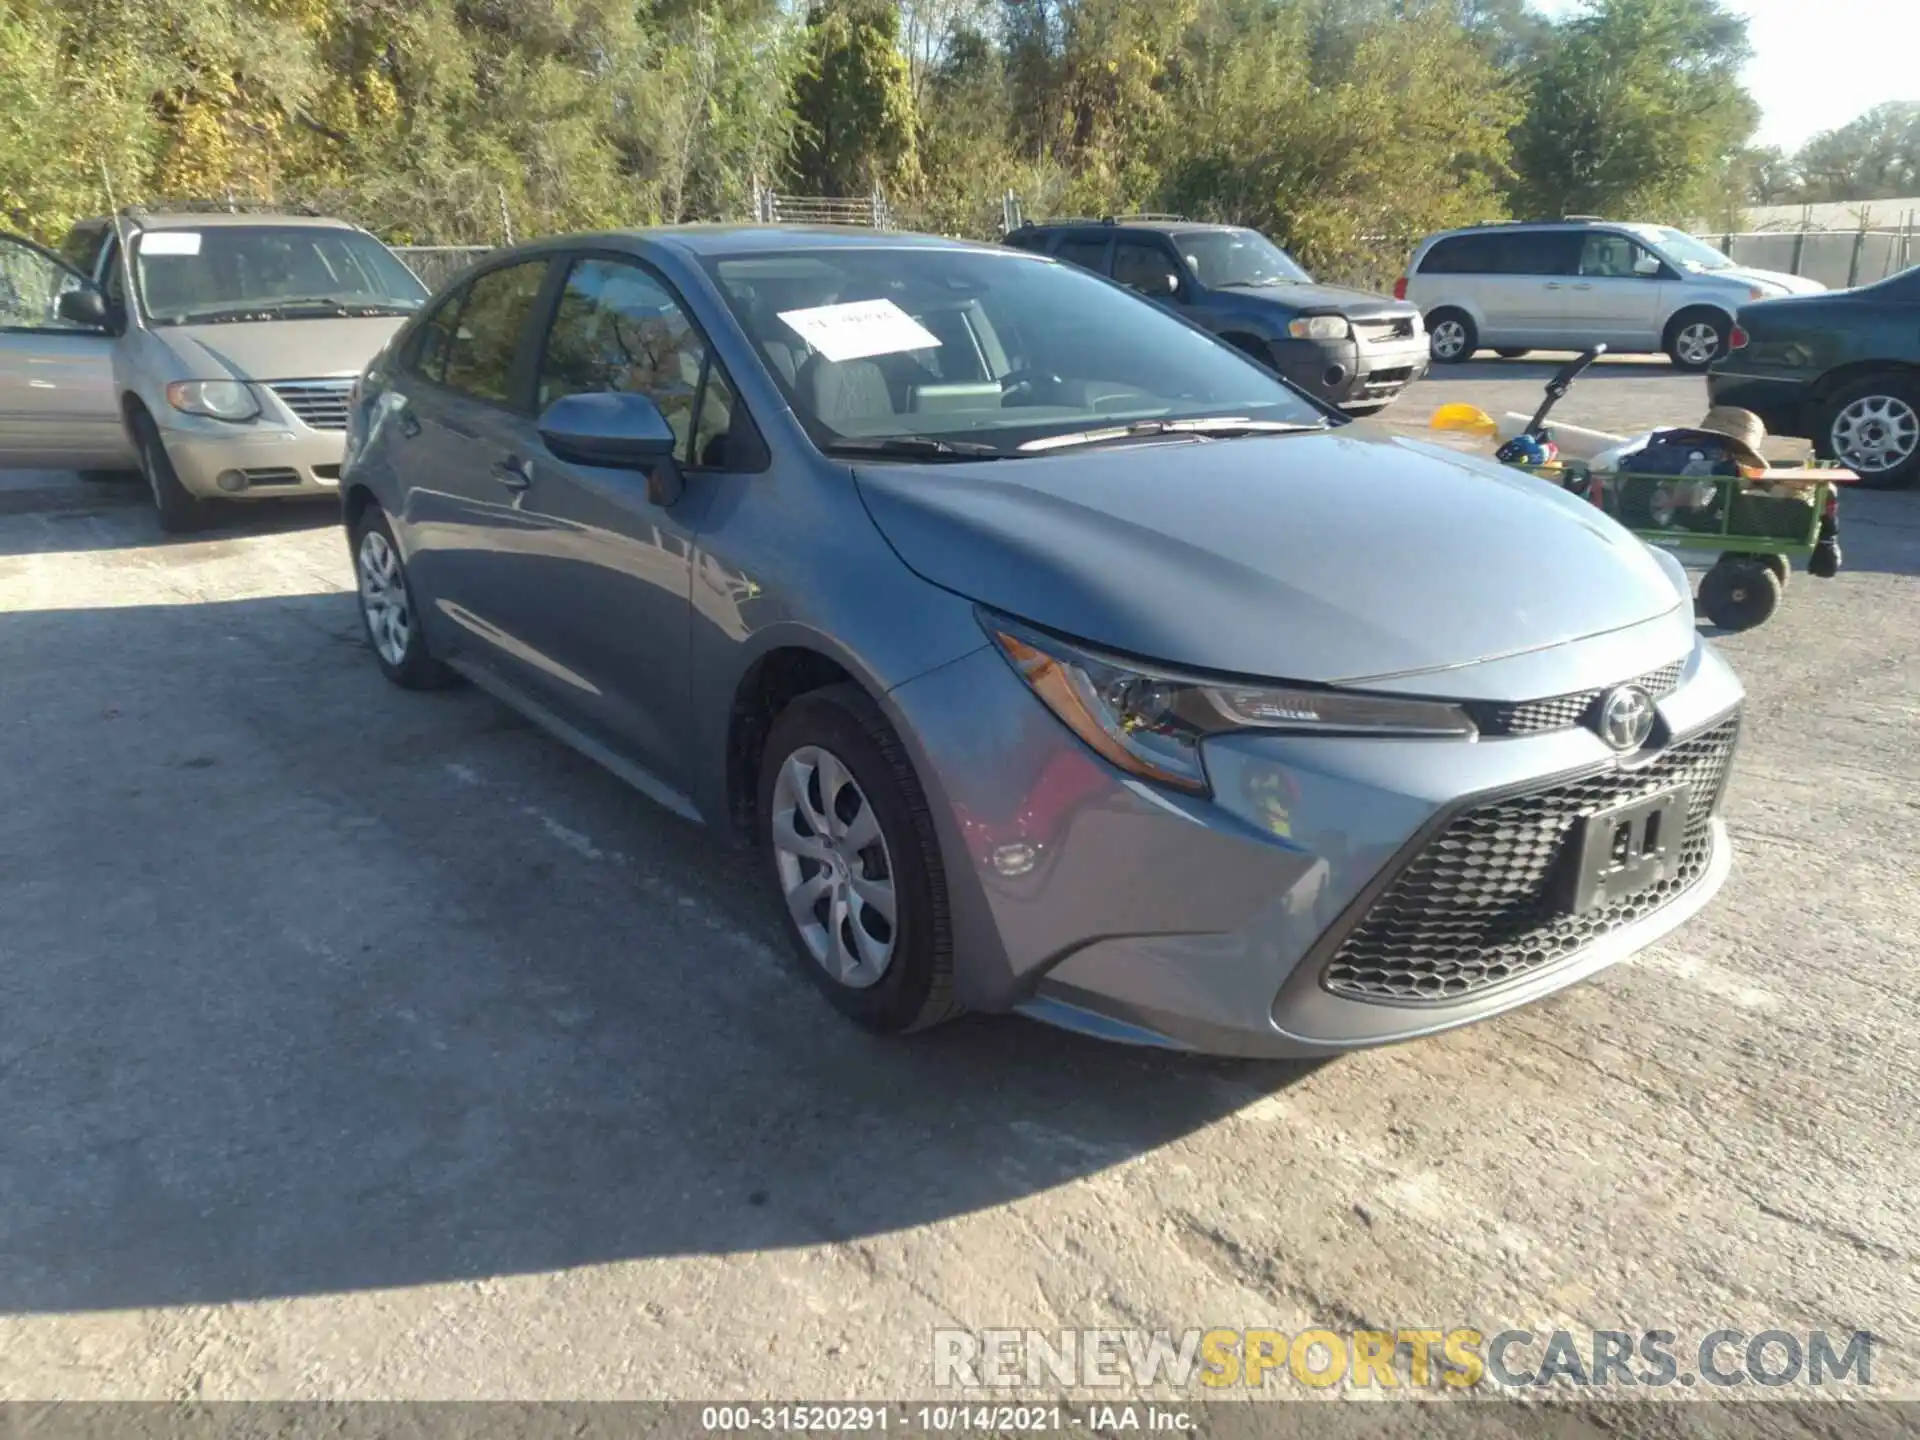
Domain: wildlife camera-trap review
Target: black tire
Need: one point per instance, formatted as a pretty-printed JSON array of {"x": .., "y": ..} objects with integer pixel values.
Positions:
[
  {"x": 1512, "y": 354},
  {"x": 181, "y": 512},
  {"x": 1469, "y": 336},
  {"x": 1684, "y": 340},
  {"x": 915, "y": 989},
  {"x": 1739, "y": 592},
  {"x": 1890, "y": 393},
  {"x": 411, "y": 666},
  {"x": 1781, "y": 567}
]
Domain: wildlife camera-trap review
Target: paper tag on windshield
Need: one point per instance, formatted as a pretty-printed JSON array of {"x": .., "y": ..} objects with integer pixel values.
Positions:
[
  {"x": 857, "y": 330},
  {"x": 170, "y": 242}
]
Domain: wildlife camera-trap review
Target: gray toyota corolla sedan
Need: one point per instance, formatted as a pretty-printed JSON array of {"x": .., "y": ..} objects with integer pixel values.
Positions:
[{"x": 1059, "y": 657}]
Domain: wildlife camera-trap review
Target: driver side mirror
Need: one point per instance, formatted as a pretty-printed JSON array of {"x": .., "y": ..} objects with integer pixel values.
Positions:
[
  {"x": 1645, "y": 265},
  {"x": 1170, "y": 284},
  {"x": 619, "y": 430},
  {"x": 83, "y": 305}
]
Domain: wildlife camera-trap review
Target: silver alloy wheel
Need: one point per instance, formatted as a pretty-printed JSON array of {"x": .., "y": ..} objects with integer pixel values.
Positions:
[
  {"x": 1449, "y": 338},
  {"x": 1698, "y": 343},
  {"x": 383, "y": 598},
  {"x": 1876, "y": 433},
  {"x": 835, "y": 870}
]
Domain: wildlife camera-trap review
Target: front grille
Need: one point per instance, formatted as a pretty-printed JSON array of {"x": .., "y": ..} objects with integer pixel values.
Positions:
[
  {"x": 320, "y": 404},
  {"x": 1482, "y": 903},
  {"x": 1562, "y": 712},
  {"x": 1388, "y": 380},
  {"x": 1376, "y": 332}
]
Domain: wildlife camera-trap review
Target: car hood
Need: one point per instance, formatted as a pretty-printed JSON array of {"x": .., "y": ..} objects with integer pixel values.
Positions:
[
  {"x": 1295, "y": 298},
  {"x": 1791, "y": 284},
  {"x": 1339, "y": 557},
  {"x": 280, "y": 349}
]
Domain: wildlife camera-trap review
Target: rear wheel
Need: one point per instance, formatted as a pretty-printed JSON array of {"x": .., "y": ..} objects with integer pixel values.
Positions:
[
  {"x": 1739, "y": 592},
  {"x": 1696, "y": 337},
  {"x": 179, "y": 509},
  {"x": 1873, "y": 428},
  {"x": 387, "y": 610},
  {"x": 1451, "y": 337},
  {"x": 851, "y": 845}
]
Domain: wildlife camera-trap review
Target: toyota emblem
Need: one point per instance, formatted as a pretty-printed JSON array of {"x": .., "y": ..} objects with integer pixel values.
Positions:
[{"x": 1626, "y": 717}]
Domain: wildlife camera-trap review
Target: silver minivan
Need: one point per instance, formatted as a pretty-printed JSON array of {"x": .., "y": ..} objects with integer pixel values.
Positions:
[
  {"x": 219, "y": 364},
  {"x": 1571, "y": 284}
]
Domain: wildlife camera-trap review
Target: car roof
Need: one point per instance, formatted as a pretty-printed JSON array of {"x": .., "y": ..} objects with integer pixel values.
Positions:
[
  {"x": 216, "y": 220},
  {"x": 1160, "y": 227},
  {"x": 704, "y": 240}
]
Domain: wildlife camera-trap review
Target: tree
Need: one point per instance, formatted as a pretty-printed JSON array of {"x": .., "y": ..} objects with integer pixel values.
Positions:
[
  {"x": 1631, "y": 109},
  {"x": 1876, "y": 157},
  {"x": 853, "y": 104}
]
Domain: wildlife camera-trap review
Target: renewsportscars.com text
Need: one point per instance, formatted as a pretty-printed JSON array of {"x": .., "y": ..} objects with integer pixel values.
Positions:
[{"x": 1457, "y": 1359}]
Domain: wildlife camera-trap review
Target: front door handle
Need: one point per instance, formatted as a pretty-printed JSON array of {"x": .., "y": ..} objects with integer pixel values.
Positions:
[
  {"x": 1553, "y": 285},
  {"x": 514, "y": 474}
]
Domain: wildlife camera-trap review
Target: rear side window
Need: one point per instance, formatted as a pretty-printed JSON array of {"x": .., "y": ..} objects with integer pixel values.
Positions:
[
  {"x": 1459, "y": 255},
  {"x": 481, "y": 350},
  {"x": 1089, "y": 252},
  {"x": 1539, "y": 252},
  {"x": 1027, "y": 240}
]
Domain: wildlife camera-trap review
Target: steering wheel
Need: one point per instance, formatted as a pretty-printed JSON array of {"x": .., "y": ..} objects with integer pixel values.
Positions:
[{"x": 1029, "y": 382}]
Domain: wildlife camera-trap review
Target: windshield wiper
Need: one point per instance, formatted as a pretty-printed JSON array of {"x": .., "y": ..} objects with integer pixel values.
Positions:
[
  {"x": 327, "y": 306},
  {"x": 1207, "y": 427},
  {"x": 915, "y": 447}
]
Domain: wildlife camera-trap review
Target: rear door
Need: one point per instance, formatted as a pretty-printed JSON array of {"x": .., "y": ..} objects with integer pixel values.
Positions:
[
  {"x": 57, "y": 402},
  {"x": 1525, "y": 294},
  {"x": 1614, "y": 295},
  {"x": 461, "y": 434}
]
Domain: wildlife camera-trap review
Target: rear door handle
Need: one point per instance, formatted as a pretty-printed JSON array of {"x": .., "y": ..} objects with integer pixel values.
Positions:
[
  {"x": 1553, "y": 285},
  {"x": 514, "y": 474}
]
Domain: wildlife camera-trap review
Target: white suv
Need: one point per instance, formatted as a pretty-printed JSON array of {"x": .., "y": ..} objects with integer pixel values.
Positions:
[{"x": 1566, "y": 285}]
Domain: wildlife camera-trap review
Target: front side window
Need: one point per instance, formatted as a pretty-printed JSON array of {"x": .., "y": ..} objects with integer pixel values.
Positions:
[
  {"x": 1606, "y": 255},
  {"x": 31, "y": 284},
  {"x": 1142, "y": 265},
  {"x": 993, "y": 348},
  {"x": 480, "y": 353},
  {"x": 618, "y": 328},
  {"x": 429, "y": 348},
  {"x": 1239, "y": 257},
  {"x": 268, "y": 272},
  {"x": 1683, "y": 249}
]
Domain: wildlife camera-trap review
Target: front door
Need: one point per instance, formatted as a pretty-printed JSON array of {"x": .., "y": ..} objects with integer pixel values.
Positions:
[
  {"x": 57, "y": 402},
  {"x": 614, "y": 586},
  {"x": 1614, "y": 295}
]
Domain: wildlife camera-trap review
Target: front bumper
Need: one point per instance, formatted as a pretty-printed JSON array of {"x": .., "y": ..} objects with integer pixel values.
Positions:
[
  {"x": 1093, "y": 901},
  {"x": 1781, "y": 403},
  {"x": 1359, "y": 375},
  {"x": 273, "y": 457}
]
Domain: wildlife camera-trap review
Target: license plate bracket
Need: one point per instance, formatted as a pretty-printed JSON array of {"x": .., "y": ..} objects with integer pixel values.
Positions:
[{"x": 1627, "y": 848}]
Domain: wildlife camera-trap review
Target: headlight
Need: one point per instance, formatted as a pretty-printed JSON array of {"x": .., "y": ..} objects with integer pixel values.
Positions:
[
  {"x": 219, "y": 399},
  {"x": 1150, "y": 723},
  {"x": 1319, "y": 327}
]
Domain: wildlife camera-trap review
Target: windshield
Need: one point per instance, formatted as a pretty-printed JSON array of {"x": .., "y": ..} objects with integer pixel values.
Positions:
[
  {"x": 1683, "y": 249},
  {"x": 1238, "y": 257},
  {"x": 269, "y": 272},
  {"x": 982, "y": 351}
]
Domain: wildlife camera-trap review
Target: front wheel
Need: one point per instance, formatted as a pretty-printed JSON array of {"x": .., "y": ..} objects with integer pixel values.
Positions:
[
  {"x": 1696, "y": 338},
  {"x": 851, "y": 844},
  {"x": 1451, "y": 337},
  {"x": 1873, "y": 428},
  {"x": 180, "y": 511},
  {"x": 1739, "y": 592}
]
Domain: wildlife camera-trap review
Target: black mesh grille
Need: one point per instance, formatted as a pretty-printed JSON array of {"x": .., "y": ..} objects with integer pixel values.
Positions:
[
  {"x": 1562, "y": 712},
  {"x": 1482, "y": 903}
]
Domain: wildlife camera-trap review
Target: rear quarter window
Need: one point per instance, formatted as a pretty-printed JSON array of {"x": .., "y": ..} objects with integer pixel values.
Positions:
[{"x": 1460, "y": 255}]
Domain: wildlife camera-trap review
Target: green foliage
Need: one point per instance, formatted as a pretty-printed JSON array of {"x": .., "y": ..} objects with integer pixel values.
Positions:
[
  {"x": 853, "y": 103},
  {"x": 1631, "y": 109},
  {"x": 1877, "y": 157}
]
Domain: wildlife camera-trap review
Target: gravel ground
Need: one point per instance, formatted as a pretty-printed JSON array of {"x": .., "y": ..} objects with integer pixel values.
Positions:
[{"x": 362, "y": 1044}]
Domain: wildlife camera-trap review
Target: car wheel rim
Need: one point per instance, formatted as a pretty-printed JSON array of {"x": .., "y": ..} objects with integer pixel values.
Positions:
[
  {"x": 835, "y": 870},
  {"x": 1876, "y": 433},
  {"x": 1449, "y": 336},
  {"x": 383, "y": 598},
  {"x": 1698, "y": 343}
]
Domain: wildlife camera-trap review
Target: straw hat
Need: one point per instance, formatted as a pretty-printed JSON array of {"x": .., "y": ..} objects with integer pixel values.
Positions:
[{"x": 1741, "y": 429}]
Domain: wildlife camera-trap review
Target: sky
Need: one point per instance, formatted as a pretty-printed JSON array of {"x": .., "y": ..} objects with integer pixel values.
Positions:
[{"x": 1819, "y": 63}]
